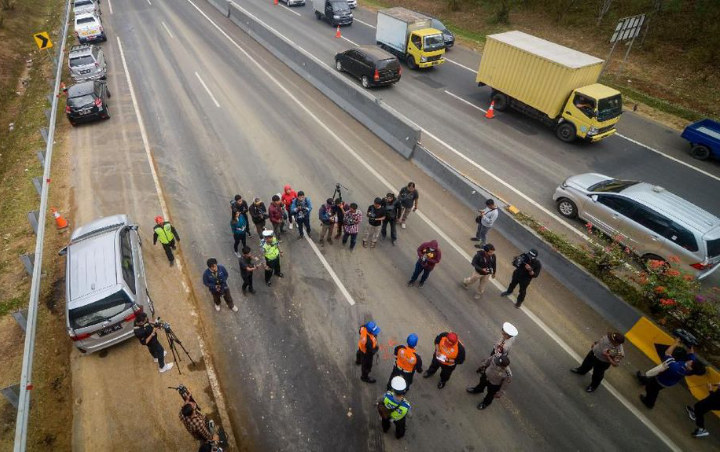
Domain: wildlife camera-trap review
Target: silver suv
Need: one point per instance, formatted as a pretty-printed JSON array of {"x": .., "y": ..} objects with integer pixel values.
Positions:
[
  {"x": 86, "y": 6},
  {"x": 87, "y": 62},
  {"x": 88, "y": 27},
  {"x": 653, "y": 222},
  {"x": 105, "y": 283}
]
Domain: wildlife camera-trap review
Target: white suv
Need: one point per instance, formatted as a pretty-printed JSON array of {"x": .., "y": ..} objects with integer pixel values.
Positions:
[
  {"x": 86, "y": 6},
  {"x": 88, "y": 28},
  {"x": 87, "y": 62}
]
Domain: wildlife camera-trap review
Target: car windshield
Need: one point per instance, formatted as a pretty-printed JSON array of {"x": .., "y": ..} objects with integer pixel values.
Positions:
[
  {"x": 99, "y": 311},
  {"x": 611, "y": 186},
  {"x": 81, "y": 101},
  {"x": 86, "y": 20},
  {"x": 340, "y": 6},
  {"x": 81, "y": 60},
  {"x": 433, "y": 42},
  {"x": 713, "y": 247},
  {"x": 609, "y": 108}
]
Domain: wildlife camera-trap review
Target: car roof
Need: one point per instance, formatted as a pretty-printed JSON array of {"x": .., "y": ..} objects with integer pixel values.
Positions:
[
  {"x": 92, "y": 268},
  {"x": 376, "y": 52},
  {"x": 80, "y": 89}
]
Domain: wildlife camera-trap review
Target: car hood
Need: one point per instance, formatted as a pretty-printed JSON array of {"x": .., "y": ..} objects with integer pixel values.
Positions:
[{"x": 583, "y": 181}]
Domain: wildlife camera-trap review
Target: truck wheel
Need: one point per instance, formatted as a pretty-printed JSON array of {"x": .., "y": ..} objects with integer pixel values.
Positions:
[
  {"x": 411, "y": 62},
  {"x": 501, "y": 101},
  {"x": 700, "y": 152},
  {"x": 566, "y": 132},
  {"x": 567, "y": 208}
]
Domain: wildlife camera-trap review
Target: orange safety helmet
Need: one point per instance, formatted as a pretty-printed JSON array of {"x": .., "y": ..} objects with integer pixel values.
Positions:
[{"x": 159, "y": 220}]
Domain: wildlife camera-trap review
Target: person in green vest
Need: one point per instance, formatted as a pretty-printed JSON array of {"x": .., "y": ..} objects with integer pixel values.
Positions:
[
  {"x": 272, "y": 253},
  {"x": 166, "y": 233},
  {"x": 393, "y": 407}
]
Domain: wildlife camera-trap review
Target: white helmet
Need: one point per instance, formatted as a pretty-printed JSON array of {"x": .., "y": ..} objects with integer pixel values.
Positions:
[
  {"x": 398, "y": 385},
  {"x": 267, "y": 233},
  {"x": 510, "y": 329}
]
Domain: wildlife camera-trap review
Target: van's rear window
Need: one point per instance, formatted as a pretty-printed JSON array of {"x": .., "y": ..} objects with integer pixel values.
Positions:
[
  {"x": 86, "y": 20},
  {"x": 99, "y": 311},
  {"x": 390, "y": 63},
  {"x": 84, "y": 60},
  {"x": 713, "y": 247}
]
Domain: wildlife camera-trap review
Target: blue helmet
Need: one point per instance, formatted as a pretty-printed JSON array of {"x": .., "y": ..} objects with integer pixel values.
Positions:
[
  {"x": 372, "y": 328},
  {"x": 412, "y": 340}
]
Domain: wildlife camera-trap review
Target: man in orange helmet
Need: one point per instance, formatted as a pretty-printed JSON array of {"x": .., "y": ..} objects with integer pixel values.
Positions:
[
  {"x": 449, "y": 352},
  {"x": 166, "y": 233}
]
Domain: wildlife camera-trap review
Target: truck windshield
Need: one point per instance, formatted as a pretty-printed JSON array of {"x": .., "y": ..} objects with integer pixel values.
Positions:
[
  {"x": 609, "y": 108},
  {"x": 433, "y": 42},
  {"x": 340, "y": 6}
]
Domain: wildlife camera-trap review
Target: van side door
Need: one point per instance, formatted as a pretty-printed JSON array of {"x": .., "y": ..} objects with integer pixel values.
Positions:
[{"x": 607, "y": 211}]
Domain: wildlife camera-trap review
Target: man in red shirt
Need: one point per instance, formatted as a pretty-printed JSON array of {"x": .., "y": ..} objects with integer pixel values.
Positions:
[{"x": 429, "y": 254}]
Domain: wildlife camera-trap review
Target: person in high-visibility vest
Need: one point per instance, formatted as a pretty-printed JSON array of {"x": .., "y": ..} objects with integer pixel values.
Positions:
[
  {"x": 272, "y": 253},
  {"x": 367, "y": 347},
  {"x": 407, "y": 361},
  {"x": 166, "y": 233},
  {"x": 394, "y": 408},
  {"x": 449, "y": 352}
]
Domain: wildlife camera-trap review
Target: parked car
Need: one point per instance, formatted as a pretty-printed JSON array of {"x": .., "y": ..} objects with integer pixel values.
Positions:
[
  {"x": 372, "y": 65},
  {"x": 448, "y": 36},
  {"x": 352, "y": 4},
  {"x": 653, "y": 222},
  {"x": 86, "y": 6},
  {"x": 105, "y": 283},
  {"x": 88, "y": 28},
  {"x": 334, "y": 12},
  {"x": 704, "y": 139},
  {"x": 87, "y": 62},
  {"x": 294, "y": 2},
  {"x": 87, "y": 101}
]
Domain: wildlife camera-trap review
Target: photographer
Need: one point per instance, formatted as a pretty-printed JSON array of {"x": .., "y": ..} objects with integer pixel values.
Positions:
[
  {"x": 351, "y": 224},
  {"x": 194, "y": 421},
  {"x": 301, "y": 207},
  {"x": 258, "y": 213},
  {"x": 429, "y": 255},
  {"x": 527, "y": 267},
  {"x": 375, "y": 216},
  {"x": 327, "y": 216},
  {"x": 485, "y": 266},
  {"x": 215, "y": 279},
  {"x": 147, "y": 335},
  {"x": 676, "y": 365}
]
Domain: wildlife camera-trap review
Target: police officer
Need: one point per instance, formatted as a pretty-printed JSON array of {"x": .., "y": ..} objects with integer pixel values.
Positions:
[
  {"x": 407, "y": 361},
  {"x": 166, "y": 233},
  {"x": 393, "y": 407},
  {"x": 147, "y": 335},
  {"x": 367, "y": 347},
  {"x": 272, "y": 253},
  {"x": 449, "y": 352},
  {"x": 527, "y": 267},
  {"x": 495, "y": 375}
]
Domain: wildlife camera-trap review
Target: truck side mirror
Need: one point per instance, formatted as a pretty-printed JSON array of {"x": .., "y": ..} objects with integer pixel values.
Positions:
[
  {"x": 63, "y": 251},
  {"x": 594, "y": 198}
]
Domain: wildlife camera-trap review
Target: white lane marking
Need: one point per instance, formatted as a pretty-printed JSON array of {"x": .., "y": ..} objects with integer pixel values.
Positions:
[
  {"x": 466, "y": 101},
  {"x": 669, "y": 157},
  {"x": 474, "y": 71},
  {"x": 384, "y": 181},
  {"x": 364, "y": 23},
  {"x": 167, "y": 29},
  {"x": 208, "y": 90},
  {"x": 110, "y": 6},
  {"x": 288, "y": 9},
  {"x": 332, "y": 273},
  {"x": 348, "y": 40},
  {"x": 149, "y": 2}
]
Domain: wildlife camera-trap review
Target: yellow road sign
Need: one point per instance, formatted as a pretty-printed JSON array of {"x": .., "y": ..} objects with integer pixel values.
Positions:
[{"x": 43, "y": 40}]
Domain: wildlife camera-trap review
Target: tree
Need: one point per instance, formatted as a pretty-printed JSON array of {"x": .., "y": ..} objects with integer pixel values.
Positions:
[
  {"x": 503, "y": 14},
  {"x": 453, "y": 5},
  {"x": 604, "y": 8}
]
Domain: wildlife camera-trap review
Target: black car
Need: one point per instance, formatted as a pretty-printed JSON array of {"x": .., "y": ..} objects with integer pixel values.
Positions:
[
  {"x": 87, "y": 101},
  {"x": 448, "y": 37},
  {"x": 372, "y": 65}
]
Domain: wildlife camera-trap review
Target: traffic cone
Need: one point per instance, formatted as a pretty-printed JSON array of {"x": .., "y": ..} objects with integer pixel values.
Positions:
[
  {"x": 61, "y": 222},
  {"x": 337, "y": 32},
  {"x": 491, "y": 111},
  {"x": 275, "y": 2},
  {"x": 63, "y": 89}
]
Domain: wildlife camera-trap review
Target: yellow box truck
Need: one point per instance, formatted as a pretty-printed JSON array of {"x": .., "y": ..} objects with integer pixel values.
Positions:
[
  {"x": 549, "y": 82},
  {"x": 410, "y": 36}
]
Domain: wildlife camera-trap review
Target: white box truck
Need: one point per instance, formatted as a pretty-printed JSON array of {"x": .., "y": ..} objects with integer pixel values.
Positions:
[{"x": 409, "y": 35}]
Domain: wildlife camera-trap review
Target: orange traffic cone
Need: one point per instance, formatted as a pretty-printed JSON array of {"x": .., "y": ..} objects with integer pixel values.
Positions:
[
  {"x": 275, "y": 2},
  {"x": 61, "y": 222},
  {"x": 63, "y": 89},
  {"x": 337, "y": 32},
  {"x": 491, "y": 111}
]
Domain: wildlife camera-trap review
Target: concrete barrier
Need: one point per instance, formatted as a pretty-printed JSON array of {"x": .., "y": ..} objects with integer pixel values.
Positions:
[
  {"x": 394, "y": 131},
  {"x": 221, "y": 5}
]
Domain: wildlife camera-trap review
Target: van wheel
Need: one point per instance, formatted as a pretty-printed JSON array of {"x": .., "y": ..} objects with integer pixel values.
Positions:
[
  {"x": 107, "y": 113},
  {"x": 410, "y": 60},
  {"x": 567, "y": 208},
  {"x": 317, "y": 15},
  {"x": 700, "y": 152},
  {"x": 647, "y": 258},
  {"x": 338, "y": 65},
  {"x": 501, "y": 101},
  {"x": 365, "y": 81},
  {"x": 566, "y": 132}
]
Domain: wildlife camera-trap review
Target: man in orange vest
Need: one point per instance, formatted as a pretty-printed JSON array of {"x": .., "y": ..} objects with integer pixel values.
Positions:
[
  {"x": 367, "y": 347},
  {"x": 449, "y": 352},
  {"x": 407, "y": 361}
]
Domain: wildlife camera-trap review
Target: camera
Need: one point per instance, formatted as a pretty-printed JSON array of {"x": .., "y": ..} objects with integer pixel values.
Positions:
[
  {"x": 520, "y": 260},
  {"x": 182, "y": 390},
  {"x": 158, "y": 323},
  {"x": 686, "y": 337}
]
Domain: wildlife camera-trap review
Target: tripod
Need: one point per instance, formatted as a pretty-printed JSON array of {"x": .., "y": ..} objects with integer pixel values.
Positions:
[
  {"x": 337, "y": 194},
  {"x": 172, "y": 340}
]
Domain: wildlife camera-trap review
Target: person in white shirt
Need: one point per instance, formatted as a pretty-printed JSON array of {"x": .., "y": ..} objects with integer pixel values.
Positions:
[{"x": 485, "y": 220}]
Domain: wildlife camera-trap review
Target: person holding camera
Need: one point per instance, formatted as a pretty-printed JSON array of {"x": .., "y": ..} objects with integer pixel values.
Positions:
[
  {"x": 527, "y": 267},
  {"x": 351, "y": 224},
  {"x": 238, "y": 226},
  {"x": 247, "y": 267},
  {"x": 240, "y": 205},
  {"x": 147, "y": 335},
  {"x": 194, "y": 420},
  {"x": 327, "y": 215},
  {"x": 258, "y": 213},
  {"x": 391, "y": 205},
  {"x": 485, "y": 220},
  {"x": 605, "y": 352},
  {"x": 408, "y": 198},
  {"x": 375, "y": 216},
  {"x": 301, "y": 208},
  {"x": 429, "y": 255},
  {"x": 701, "y": 408},
  {"x": 671, "y": 371},
  {"x": 215, "y": 279},
  {"x": 485, "y": 265},
  {"x": 340, "y": 212}
]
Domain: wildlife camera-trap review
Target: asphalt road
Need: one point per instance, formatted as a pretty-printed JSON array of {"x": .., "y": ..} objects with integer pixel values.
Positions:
[{"x": 223, "y": 116}]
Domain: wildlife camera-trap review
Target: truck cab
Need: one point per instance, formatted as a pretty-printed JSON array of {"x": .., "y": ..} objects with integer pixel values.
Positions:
[
  {"x": 426, "y": 47},
  {"x": 590, "y": 113},
  {"x": 410, "y": 36}
]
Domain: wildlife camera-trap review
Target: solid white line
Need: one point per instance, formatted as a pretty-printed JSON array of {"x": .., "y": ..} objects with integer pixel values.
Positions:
[
  {"x": 466, "y": 101},
  {"x": 348, "y": 40},
  {"x": 364, "y": 23},
  {"x": 384, "y": 181},
  {"x": 110, "y": 6},
  {"x": 294, "y": 12},
  {"x": 474, "y": 71},
  {"x": 167, "y": 29},
  {"x": 208, "y": 90},
  {"x": 149, "y": 2},
  {"x": 329, "y": 269},
  {"x": 669, "y": 157}
]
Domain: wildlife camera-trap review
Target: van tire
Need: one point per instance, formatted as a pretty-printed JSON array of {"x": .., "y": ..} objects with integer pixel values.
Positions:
[
  {"x": 700, "y": 152},
  {"x": 502, "y": 101},
  {"x": 565, "y": 131},
  {"x": 567, "y": 208},
  {"x": 365, "y": 81},
  {"x": 338, "y": 66}
]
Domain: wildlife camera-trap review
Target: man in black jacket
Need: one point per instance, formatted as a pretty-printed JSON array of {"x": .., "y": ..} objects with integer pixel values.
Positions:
[
  {"x": 375, "y": 216},
  {"x": 240, "y": 205},
  {"x": 527, "y": 266},
  {"x": 391, "y": 206},
  {"x": 485, "y": 267}
]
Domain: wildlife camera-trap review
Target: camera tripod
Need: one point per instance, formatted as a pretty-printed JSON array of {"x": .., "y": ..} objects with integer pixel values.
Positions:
[
  {"x": 337, "y": 194},
  {"x": 172, "y": 340}
]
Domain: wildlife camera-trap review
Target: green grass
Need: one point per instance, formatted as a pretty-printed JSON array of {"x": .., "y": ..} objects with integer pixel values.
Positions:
[{"x": 654, "y": 102}]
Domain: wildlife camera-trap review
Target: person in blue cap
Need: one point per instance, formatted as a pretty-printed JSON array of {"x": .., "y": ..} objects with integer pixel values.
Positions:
[
  {"x": 407, "y": 361},
  {"x": 367, "y": 347}
]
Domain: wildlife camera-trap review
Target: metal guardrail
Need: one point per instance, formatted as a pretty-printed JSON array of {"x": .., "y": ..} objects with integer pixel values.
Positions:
[{"x": 26, "y": 375}]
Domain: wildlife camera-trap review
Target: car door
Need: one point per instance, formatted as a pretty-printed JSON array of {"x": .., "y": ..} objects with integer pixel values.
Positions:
[
  {"x": 365, "y": 65},
  {"x": 648, "y": 230},
  {"x": 352, "y": 62},
  {"x": 604, "y": 211}
]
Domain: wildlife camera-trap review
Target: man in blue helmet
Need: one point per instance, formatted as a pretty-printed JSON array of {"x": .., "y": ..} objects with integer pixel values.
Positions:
[
  {"x": 367, "y": 347},
  {"x": 393, "y": 407},
  {"x": 407, "y": 361}
]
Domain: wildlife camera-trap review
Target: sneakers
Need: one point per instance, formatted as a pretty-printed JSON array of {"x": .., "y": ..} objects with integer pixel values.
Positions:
[
  {"x": 167, "y": 367},
  {"x": 393, "y": 242},
  {"x": 473, "y": 390},
  {"x": 479, "y": 246},
  {"x": 368, "y": 379},
  {"x": 441, "y": 384},
  {"x": 411, "y": 283},
  {"x": 700, "y": 432},
  {"x": 477, "y": 296},
  {"x": 643, "y": 399},
  {"x": 235, "y": 309},
  {"x": 268, "y": 284},
  {"x": 322, "y": 242},
  {"x": 505, "y": 294},
  {"x": 238, "y": 255},
  {"x": 217, "y": 307},
  {"x": 402, "y": 225},
  {"x": 251, "y": 290},
  {"x": 690, "y": 411},
  {"x": 482, "y": 406},
  {"x": 291, "y": 226},
  {"x": 465, "y": 285},
  {"x": 474, "y": 239},
  {"x": 165, "y": 354},
  {"x": 280, "y": 275},
  {"x": 590, "y": 389},
  {"x": 576, "y": 370},
  {"x": 364, "y": 243},
  {"x": 427, "y": 374},
  {"x": 421, "y": 284},
  {"x": 372, "y": 244}
]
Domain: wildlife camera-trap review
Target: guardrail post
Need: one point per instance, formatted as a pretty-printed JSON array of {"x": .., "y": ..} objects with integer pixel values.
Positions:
[
  {"x": 28, "y": 261},
  {"x": 21, "y": 318},
  {"x": 33, "y": 219},
  {"x": 41, "y": 156},
  {"x": 12, "y": 394},
  {"x": 47, "y": 114},
  {"x": 49, "y": 98},
  {"x": 37, "y": 182},
  {"x": 44, "y": 133}
]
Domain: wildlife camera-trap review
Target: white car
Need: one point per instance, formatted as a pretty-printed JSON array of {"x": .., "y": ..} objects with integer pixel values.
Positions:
[
  {"x": 86, "y": 7},
  {"x": 352, "y": 4},
  {"x": 88, "y": 28},
  {"x": 294, "y": 2}
]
